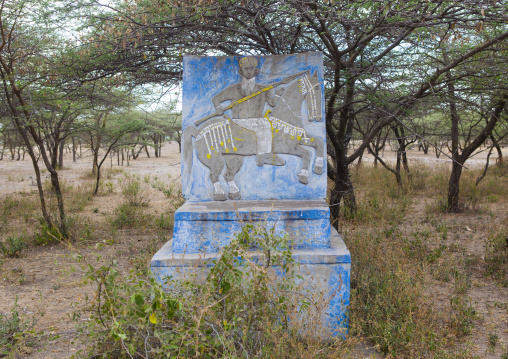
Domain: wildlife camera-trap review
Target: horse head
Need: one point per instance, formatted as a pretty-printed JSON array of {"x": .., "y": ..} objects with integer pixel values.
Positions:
[{"x": 311, "y": 91}]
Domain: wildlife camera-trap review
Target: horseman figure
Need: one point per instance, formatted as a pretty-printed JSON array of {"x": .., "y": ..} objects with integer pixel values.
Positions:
[
  {"x": 249, "y": 113},
  {"x": 253, "y": 119}
]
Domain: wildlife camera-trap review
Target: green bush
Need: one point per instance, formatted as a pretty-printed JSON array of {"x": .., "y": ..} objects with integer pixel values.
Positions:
[
  {"x": 133, "y": 192},
  {"x": 14, "y": 328},
  {"x": 12, "y": 246},
  {"x": 128, "y": 216},
  {"x": 237, "y": 308},
  {"x": 47, "y": 235},
  {"x": 496, "y": 257}
]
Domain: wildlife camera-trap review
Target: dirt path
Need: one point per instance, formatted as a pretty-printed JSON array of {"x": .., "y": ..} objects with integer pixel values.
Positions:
[{"x": 47, "y": 282}]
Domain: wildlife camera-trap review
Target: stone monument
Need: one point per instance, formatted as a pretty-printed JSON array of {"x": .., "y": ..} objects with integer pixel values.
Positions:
[{"x": 254, "y": 150}]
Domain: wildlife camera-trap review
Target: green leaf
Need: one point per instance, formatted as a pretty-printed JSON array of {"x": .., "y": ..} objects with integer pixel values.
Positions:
[{"x": 138, "y": 299}]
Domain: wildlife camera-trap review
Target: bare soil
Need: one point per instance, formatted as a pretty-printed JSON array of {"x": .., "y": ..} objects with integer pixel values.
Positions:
[{"x": 46, "y": 281}]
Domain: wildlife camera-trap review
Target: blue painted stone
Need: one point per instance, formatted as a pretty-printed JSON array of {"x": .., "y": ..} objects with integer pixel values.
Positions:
[
  {"x": 207, "y": 226},
  {"x": 204, "y": 78},
  {"x": 330, "y": 269},
  {"x": 254, "y": 152}
]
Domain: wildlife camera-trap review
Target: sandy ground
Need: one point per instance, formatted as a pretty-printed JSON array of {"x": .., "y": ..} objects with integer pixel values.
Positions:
[{"x": 47, "y": 282}]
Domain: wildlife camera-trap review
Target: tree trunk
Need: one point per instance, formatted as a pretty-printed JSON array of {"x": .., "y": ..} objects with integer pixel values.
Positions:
[
  {"x": 97, "y": 181},
  {"x": 73, "y": 149},
  {"x": 21, "y": 129},
  {"x": 453, "y": 184},
  {"x": 95, "y": 160},
  {"x": 453, "y": 187},
  {"x": 60, "y": 154},
  {"x": 342, "y": 189},
  {"x": 499, "y": 160}
]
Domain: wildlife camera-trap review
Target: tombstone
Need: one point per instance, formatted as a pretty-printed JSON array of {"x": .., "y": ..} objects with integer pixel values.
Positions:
[{"x": 254, "y": 150}]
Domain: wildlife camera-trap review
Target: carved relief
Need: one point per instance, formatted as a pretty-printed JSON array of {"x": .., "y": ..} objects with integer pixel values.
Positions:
[{"x": 261, "y": 120}]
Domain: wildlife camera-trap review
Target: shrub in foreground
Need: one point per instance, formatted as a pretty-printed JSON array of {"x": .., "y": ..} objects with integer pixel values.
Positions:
[
  {"x": 240, "y": 307},
  {"x": 14, "y": 329},
  {"x": 12, "y": 246}
]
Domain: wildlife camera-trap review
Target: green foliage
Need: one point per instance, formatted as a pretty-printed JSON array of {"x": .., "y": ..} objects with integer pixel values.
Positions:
[
  {"x": 164, "y": 221},
  {"x": 239, "y": 307},
  {"x": 462, "y": 315},
  {"x": 493, "y": 339},
  {"x": 78, "y": 196},
  {"x": 14, "y": 328},
  {"x": 131, "y": 213},
  {"x": 171, "y": 191},
  {"x": 12, "y": 246},
  {"x": 128, "y": 216},
  {"x": 133, "y": 192},
  {"x": 496, "y": 257},
  {"x": 47, "y": 235}
]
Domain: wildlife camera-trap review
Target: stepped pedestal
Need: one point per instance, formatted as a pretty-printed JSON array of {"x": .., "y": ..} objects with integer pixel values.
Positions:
[
  {"x": 254, "y": 152},
  {"x": 201, "y": 229}
]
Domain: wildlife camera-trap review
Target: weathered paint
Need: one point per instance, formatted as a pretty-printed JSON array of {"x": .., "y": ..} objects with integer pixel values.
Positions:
[
  {"x": 206, "y": 77},
  {"x": 229, "y": 179},
  {"x": 329, "y": 268},
  {"x": 207, "y": 226}
]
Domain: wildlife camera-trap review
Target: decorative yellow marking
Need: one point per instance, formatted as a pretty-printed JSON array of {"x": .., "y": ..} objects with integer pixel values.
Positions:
[
  {"x": 246, "y": 98},
  {"x": 221, "y": 143},
  {"x": 229, "y": 141},
  {"x": 311, "y": 139},
  {"x": 292, "y": 137},
  {"x": 238, "y": 139},
  {"x": 267, "y": 117},
  {"x": 277, "y": 131},
  {"x": 211, "y": 148},
  {"x": 298, "y": 138},
  {"x": 234, "y": 149},
  {"x": 208, "y": 155},
  {"x": 227, "y": 150}
]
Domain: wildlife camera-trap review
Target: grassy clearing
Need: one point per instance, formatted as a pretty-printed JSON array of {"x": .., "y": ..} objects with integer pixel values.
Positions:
[
  {"x": 406, "y": 252},
  {"x": 399, "y": 257}
]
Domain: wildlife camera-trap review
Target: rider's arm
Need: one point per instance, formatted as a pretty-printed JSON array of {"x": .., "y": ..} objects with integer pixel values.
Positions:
[
  {"x": 272, "y": 98},
  {"x": 221, "y": 97}
]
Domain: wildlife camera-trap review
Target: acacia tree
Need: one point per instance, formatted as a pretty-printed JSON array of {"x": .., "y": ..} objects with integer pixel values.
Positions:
[
  {"x": 40, "y": 98},
  {"x": 20, "y": 66},
  {"x": 115, "y": 132},
  {"x": 476, "y": 96},
  {"x": 367, "y": 46}
]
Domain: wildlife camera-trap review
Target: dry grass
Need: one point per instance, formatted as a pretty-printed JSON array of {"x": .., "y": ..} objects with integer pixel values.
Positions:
[
  {"x": 419, "y": 274},
  {"x": 406, "y": 252}
]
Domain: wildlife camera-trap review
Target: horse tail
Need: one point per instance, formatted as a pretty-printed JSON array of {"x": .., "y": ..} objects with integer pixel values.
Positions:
[{"x": 188, "y": 133}]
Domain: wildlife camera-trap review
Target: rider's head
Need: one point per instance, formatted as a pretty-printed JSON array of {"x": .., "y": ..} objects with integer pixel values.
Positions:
[{"x": 248, "y": 67}]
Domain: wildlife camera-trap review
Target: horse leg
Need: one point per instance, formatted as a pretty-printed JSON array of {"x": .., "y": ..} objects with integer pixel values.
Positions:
[
  {"x": 300, "y": 151},
  {"x": 233, "y": 165},
  {"x": 319, "y": 164},
  {"x": 216, "y": 167}
]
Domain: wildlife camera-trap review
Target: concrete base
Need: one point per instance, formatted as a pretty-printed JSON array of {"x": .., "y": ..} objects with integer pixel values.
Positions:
[
  {"x": 207, "y": 226},
  {"x": 326, "y": 269}
]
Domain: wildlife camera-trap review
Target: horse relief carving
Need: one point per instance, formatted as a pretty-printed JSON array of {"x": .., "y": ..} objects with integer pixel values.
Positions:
[{"x": 261, "y": 120}]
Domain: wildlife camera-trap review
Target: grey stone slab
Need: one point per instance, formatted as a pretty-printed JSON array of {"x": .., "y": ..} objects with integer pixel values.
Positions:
[{"x": 253, "y": 128}]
